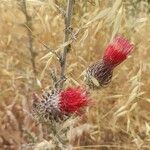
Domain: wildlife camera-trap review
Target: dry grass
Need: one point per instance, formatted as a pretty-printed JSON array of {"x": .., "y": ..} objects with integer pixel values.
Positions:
[{"x": 120, "y": 120}]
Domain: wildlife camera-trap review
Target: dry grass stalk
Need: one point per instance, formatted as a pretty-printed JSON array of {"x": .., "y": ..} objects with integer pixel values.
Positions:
[
  {"x": 67, "y": 48},
  {"x": 29, "y": 25}
]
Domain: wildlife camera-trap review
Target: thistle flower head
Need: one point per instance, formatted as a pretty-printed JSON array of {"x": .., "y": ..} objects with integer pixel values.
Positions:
[
  {"x": 57, "y": 105},
  {"x": 100, "y": 73},
  {"x": 72, "y": 100},
  {"x": 117, "y": 51}
]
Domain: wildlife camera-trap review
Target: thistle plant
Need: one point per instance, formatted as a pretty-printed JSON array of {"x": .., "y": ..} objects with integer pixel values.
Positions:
[{"x": 58, "y": 104}]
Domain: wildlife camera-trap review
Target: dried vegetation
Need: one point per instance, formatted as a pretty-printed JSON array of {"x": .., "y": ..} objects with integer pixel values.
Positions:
[{"x": 120, "y": 118}]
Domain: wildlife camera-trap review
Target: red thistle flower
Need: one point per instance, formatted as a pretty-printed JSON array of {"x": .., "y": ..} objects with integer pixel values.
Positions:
[
  {"x": 100, "y": 73},
  {"x": 117, "y": 51},
  {"x": 55, "y": 105},
  {"x": 73, "y": 99}
]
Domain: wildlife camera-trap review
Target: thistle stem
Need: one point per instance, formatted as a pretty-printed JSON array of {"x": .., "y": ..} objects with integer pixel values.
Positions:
[{"x": 68, "y": 16}]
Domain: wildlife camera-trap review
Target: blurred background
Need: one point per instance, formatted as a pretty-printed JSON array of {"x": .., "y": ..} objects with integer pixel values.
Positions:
[{"x": 120, "y": 120}]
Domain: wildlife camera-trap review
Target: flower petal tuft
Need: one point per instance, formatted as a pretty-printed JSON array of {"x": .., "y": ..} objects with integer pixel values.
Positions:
[
  {"x": 117, "y": 51},
  {"x": 72, "y": 100}
]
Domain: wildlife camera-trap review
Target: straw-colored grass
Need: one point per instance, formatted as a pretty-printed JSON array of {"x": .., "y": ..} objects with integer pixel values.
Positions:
[{"x": 120, "y": 116}]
